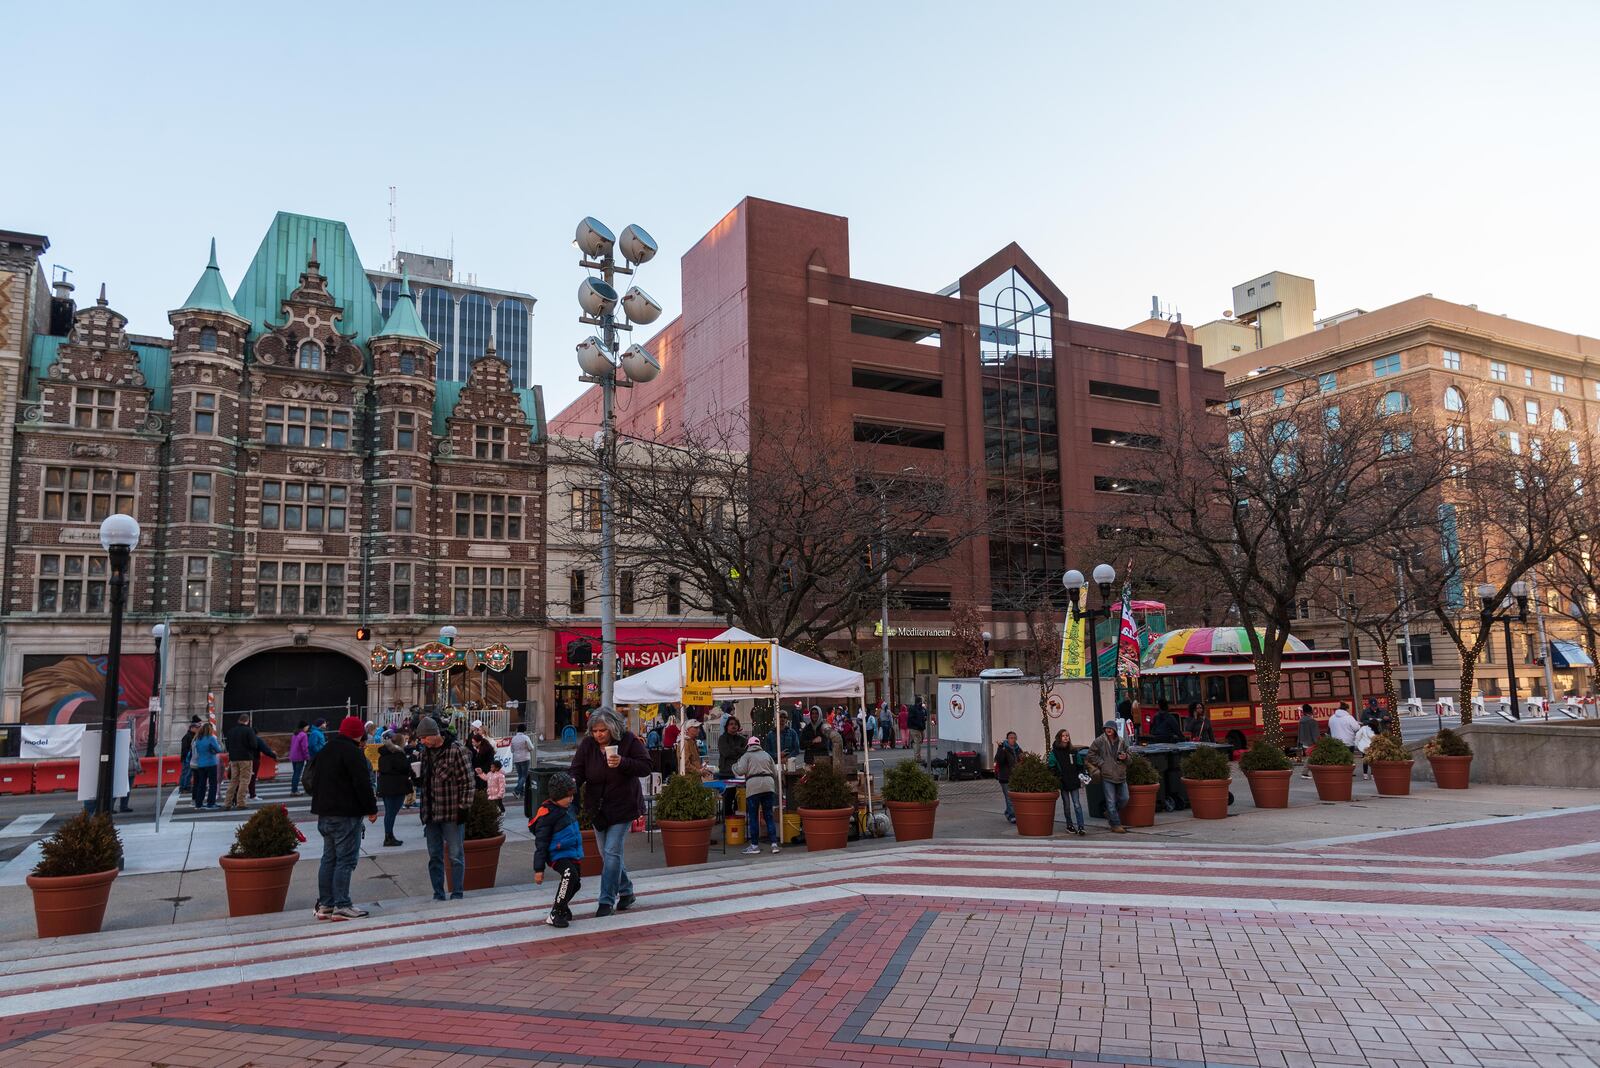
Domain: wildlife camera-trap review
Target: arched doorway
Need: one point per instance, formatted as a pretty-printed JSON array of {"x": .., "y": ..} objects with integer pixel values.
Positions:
[{"x": 280, "y": 687}]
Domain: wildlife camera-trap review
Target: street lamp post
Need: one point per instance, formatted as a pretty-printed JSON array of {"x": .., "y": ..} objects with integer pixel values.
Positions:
[
  {"x": 119, "y": 536},
  {"x": 1504, "y": 616},
  {"x": 598, "y": 359},
  {"x": 1104, "y": 576}
]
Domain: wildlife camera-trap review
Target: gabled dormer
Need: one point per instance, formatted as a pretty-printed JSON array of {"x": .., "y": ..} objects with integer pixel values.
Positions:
[
  {"x": 488, "y": 423},
  {"x": 309, "y": 338},
  {"x": 95, "y": 383}
]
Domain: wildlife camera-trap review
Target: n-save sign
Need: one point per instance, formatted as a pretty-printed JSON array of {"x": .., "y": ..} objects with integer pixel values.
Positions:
[{"x": 727, "y": 665}]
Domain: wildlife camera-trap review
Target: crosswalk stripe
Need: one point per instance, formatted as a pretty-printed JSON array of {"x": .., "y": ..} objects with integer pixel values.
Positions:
[{"x": 29, "y": 823}]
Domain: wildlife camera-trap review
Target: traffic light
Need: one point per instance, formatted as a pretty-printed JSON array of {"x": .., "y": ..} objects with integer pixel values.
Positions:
[{"x": 363, "y": 634}]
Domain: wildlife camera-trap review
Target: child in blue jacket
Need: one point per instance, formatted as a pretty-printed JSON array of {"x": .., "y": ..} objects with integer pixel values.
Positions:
[{"x": 558, "y": 843}]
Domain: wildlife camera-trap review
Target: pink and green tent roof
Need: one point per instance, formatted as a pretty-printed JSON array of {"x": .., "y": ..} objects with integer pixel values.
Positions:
[{"x": 1196, "y": 640}]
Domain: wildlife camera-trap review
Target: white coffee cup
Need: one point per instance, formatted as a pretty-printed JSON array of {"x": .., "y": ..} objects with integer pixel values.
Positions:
[{"x": 611, "y": 751}]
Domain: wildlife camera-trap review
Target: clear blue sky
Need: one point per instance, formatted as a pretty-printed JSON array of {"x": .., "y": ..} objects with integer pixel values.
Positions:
[{"x": 1175, "y": 149}]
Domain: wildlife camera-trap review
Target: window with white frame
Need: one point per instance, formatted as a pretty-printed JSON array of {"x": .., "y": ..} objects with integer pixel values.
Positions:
[
  {"x": 1452, "y": 360},
  {"x": 1527, "y": 377},
  {"x": 1453, "y": 401},
  {"x": 1558, "y": 383},
  {"x": 1497, "y": 370},
  {"x": 402, "y": 589},
  {"x": 1530, "y": 409},
  {"x": 86, "y": 494},
  {"x": 94, "y": 409},
  {"x": 310, "y": 356},
  {"x": 1455, "y": 437},
  {"x": 200, "y": 497},
  {"x": 1499, "y": 410},
  {"x": 495, "y": 516},
  {"x": 72, "y": 582},
  {"x": 486, "y": 591},
  {"x": 313, "y": 507},
  {"x": 205, "y": 413},
  {"x": 1559, "y": 420},
  {"x": 196, "y": 581},
  {"x": 1384, "y": 366},
  {"x": 294, "y": 587},
  {"x": 295, "y": 424},
  {"x": 488, "y": 442}
]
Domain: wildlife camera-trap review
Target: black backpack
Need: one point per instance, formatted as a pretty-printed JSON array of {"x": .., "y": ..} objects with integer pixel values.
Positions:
[{"x": 308, "y": 777}]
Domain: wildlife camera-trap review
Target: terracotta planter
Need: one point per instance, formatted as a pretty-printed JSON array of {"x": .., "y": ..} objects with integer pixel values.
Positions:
[
  {"x": 70, "y": 904},
  {"x": 257, "y": 885},
  {"x": 1333, "y": 780},
  {"x": 1270, "y": 789},
  {"x": 483, "y": 861},
  {"x": 1392, "y": 777},
  {"x": 913, "y": 820},
  {"x": 1036, "y": 813},
  {"x": 826, "y": 828},
  {"x": 685, "y": 841},
  {"x": 1451, "y": 772},
  {"x": 592, "y": 863},
  {"x": 1208, "y": 798},
  {"x": 1140, "y": 811}
]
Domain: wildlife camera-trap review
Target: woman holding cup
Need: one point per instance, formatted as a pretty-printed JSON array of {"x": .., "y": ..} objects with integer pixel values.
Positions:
[{"x": 607, "y": 768}]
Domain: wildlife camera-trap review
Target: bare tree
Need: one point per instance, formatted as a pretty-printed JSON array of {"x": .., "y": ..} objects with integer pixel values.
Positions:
[
  {"x": 1509, "y": 504},
  {"x": 966, "y": 627},
  {"x": 1266, "y": 497},
  {"x": 796, "y": 541}
]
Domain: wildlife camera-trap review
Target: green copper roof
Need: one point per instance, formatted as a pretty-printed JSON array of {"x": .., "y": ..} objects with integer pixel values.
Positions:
[
  {"x": 403, "y": 319},
  {"x": 446, "y": 394},
  {"x": 280, "y": 261},
  {"x": 209, "y": 294},
  {"x": 155, "y": 362}
]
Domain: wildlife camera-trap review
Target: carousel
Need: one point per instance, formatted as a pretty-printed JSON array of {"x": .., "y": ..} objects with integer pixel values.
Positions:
[{"x": 456, "y": 684}]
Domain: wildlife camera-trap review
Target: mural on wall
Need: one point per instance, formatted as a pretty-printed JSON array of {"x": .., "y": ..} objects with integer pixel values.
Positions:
[{"x": 67, "y": 688}]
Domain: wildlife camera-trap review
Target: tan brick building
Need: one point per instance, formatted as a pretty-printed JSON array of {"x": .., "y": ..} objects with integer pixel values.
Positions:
[{"x": 298, "y": 473}]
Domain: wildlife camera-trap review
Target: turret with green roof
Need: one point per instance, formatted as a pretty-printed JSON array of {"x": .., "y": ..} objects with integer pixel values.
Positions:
[
  {"x": 403, "y": 320},
  {"x": 209, "y": 294}
]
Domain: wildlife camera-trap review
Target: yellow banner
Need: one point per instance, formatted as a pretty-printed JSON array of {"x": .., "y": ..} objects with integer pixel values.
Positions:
[
  {"x": 1074, "y": 659},
  {"x": 696, "y": 695},
  {"x": 727, "y": 665}
]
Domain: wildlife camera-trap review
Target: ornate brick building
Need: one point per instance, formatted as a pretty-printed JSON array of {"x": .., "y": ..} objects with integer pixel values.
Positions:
[{"x": 297, "y": 471}]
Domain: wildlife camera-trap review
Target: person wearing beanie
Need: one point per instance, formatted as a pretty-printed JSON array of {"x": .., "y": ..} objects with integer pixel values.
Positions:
[
  {"x": 445, "y": 785},
  {"x": 340, "y": 782},
  {"x": 558, "y": 844},
  {"x": 760, "y": 775}
]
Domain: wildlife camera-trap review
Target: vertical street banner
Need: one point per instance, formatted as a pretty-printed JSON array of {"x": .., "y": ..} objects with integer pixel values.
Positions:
[
  {"x": 1074, "y": 654},
  {"x": 1128, "y": 638}
]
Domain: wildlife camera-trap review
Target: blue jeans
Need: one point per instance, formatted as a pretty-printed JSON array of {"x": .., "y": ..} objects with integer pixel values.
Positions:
[
  {"x": 522, "y": 777},
  {"x": 1005, "y": 792},
  {"x": 1116, "y": 796},
  {"x": 1076, "y": 797},
  {"x": 204, "y": 785},
  {"x": 439, "y": 836},
  {"x": 758, "y": 806},
  {"x": 183, "y": 778},
  {"x": 299, "y": 767},
  {"x": 341, "y": 847},
  {"x": 614, "y": 881},
  {"x": 391, "y": 809}
]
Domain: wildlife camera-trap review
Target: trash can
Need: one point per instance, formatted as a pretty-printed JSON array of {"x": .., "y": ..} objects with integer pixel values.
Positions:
[{"x": 735, "y": 825}]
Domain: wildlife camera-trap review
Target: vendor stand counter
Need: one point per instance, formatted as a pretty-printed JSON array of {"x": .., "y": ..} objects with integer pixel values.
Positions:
[{"x": 1167, "y": 759}]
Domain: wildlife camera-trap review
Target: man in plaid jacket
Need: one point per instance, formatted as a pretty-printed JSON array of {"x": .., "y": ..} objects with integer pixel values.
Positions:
[{"x": 444, "y": 792}]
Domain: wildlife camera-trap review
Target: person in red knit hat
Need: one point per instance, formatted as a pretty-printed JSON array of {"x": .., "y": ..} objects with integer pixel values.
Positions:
[{"x": 340, "y": 781}]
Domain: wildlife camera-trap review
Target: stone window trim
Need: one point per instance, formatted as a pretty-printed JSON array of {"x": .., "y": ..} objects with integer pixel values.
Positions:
[
  {"x": 485, "y": 591},
  {"x": 74, "y": 583},
  {"x": 201, "y": 484},
  {"x": 196, "y": 584},
  {"x": 405, "y": 508},
  {"x": 488, "y": 442},
  {"x": 400, "y": 601},
  {"x": 491, "y": 516},
  {"x": 305, "y": 426},
  {"x": 203, "y": 413},
  {"x": 312, "y": 507},
  {"x": 94, "y": 408},
  {"x": 85, "y": 494},
  {"x": 299, "y": 587}
]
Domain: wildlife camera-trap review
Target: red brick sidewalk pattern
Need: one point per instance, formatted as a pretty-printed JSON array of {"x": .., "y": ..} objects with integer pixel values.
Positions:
[
  {"x": 898, "y": 981},
  {"x": 1491, "y": 839}
]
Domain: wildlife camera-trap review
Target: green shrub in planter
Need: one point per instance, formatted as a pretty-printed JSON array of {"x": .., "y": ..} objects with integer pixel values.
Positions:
[
  {"x": 1206, "y": 763},
  {"x": 85, "y": 845},
  {"x": 268, "y": 833},
  {"x": 1142, "y": 773},
  {"x": 1447, "y": 743},
  {"x": 1330, "y": 751},
  {"x": 907, "y": 781},
  {"x": 824, "y": 788},
  {"x": 684, "y": 799},
  {"x": 483, "y": 816},
  {"x": 1387, "y": 748},
  {"x": 1264, "y": 756},
  {"x": 1033, "y": 776}
]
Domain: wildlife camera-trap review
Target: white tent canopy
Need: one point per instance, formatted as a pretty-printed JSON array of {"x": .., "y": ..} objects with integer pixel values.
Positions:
[{"x": 798, "y": 676}]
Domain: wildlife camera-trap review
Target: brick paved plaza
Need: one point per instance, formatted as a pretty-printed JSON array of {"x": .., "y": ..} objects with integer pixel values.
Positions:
[{"x": 1466, "y": 944}]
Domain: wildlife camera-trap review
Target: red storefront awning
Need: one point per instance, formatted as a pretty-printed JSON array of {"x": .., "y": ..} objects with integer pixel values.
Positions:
[{"x": 637, "y": 647}]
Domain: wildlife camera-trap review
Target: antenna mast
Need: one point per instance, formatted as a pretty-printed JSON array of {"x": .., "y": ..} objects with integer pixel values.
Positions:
[{"x": 394, "y": 264}]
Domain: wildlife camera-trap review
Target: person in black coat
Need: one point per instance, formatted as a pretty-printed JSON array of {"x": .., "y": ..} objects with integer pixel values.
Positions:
[
  {"x": 606, "y": 770},
  {"x": 730, "y": 747},
  {"x": 394, "y": 781},
  {"x": 341, "y": 794},
  {"x": 1165, "y": 727}
]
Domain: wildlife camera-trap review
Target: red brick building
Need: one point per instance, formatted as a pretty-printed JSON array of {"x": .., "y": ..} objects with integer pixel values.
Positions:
[
  {"x": 297, "y": 470},
  {"x": 989, "y": 375}
]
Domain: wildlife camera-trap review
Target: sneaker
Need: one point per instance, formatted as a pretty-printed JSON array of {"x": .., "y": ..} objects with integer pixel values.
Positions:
[
  {"x": 392, "y": 842},
  {"x": 775, "y": 849},
  {"x": 1082, "y": 833},
  {"x": 555, "y": 921},
  {"x": 625, "y": 902},
  {"x": 350, "y": 912},
  {"x": 322, "y": 912},
  {"x": 458, "y": 896},
  {"x": 1120, "y": 830},
  {"x": 603, "y": 911},
  {"x": 751, "y": 850}
]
